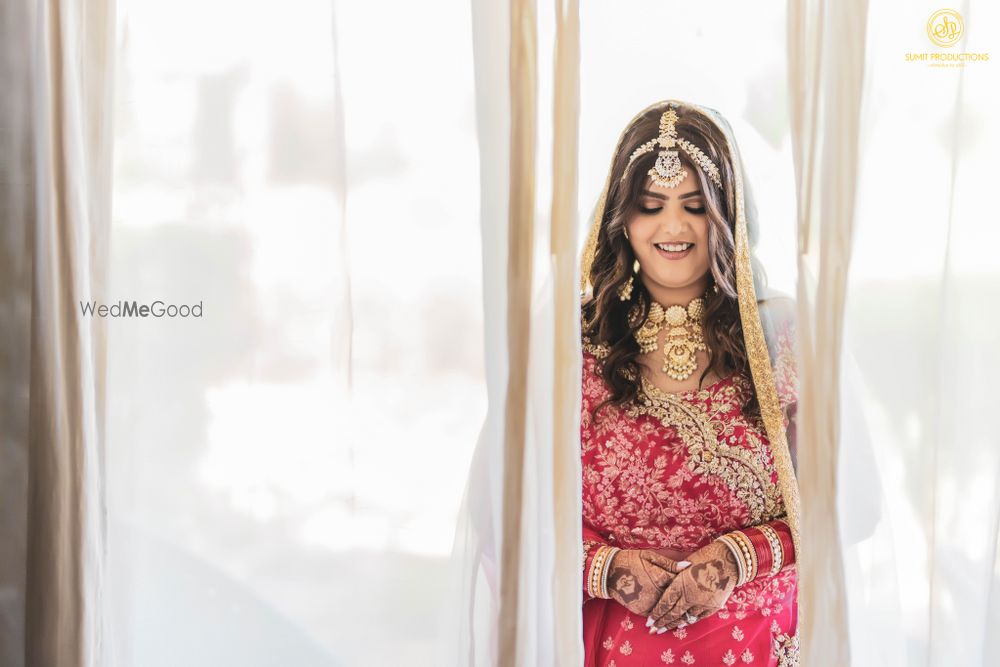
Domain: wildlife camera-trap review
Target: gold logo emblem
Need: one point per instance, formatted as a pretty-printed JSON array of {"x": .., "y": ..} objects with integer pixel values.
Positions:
[{"x": 945, "y": 27}]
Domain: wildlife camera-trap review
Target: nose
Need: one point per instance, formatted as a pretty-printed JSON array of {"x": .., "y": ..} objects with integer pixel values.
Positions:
[{"x": 673, "y": 221}]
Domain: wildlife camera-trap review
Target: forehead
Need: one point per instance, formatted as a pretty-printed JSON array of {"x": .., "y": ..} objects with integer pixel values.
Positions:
[{"x": 689, "y": 184}]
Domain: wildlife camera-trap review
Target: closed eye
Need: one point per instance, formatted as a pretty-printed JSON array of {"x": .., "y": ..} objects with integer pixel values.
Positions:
[{"x": 696, "y": 210}]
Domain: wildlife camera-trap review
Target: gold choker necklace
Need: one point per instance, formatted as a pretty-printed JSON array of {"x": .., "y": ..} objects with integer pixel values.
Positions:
[{"x": 684, "y": 335}]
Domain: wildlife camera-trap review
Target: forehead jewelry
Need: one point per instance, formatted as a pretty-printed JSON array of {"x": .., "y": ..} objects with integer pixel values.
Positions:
[{"x": 668, "y": 171}]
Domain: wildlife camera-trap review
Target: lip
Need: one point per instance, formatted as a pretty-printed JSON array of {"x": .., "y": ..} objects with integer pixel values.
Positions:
[{"x": 666, "y": 254}]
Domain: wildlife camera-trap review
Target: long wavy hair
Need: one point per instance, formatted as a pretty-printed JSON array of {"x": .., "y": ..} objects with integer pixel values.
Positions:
[{"x": 605, "y": 315}]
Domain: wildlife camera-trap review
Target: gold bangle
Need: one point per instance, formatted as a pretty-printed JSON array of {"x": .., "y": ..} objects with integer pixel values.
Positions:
[
  {"x": 742, "y": 555},
  {"x": 590, "y": 575},
  {"x": 738, "y": 555},
  {"x": 596, "y": 568},
  {"x": 604, "y": 571},
  {"x": 737, "y": 538},
  {"x": 749, "y": 552},
  {"x": 777, "y": 553}
]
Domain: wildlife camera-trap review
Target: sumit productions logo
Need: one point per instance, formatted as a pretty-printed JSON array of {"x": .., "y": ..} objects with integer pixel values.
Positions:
[{"x": 945, "y": 27}]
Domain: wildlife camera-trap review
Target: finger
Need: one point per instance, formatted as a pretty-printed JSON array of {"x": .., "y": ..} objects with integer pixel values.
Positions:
[
  {"x": 657, "y": 571},
  {"x": 711, "y": 610},
  {"x": 667, "y": 600},
  {"x": 668, "y": 564},
  {"x": 674, "y": 615},
  {"x": 701, "y": 612},
  {"x": 660, "y": 576},
  {"x": 675, "y": 618},
  {"x": 673, "y": 553}
]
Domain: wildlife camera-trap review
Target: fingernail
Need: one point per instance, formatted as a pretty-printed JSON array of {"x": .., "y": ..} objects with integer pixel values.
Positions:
[
  {"x": 649, "y": 621},
  {"x": 683, "y": 564},
  {"x": 661, "y": 631}
]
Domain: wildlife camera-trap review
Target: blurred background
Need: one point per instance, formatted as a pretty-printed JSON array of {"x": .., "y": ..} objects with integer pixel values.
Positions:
[
  {"x": 284, "y": 473},
  {"x": 263, "y": 505}
]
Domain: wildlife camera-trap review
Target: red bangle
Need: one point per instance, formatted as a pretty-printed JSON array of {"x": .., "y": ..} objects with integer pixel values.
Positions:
[
  {"x": 765, "y": 557},
  {"x": 787, "y": 544}
]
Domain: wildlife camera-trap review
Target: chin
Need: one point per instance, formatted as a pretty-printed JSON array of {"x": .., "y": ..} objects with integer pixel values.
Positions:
[{"x": 674, "y": 283}]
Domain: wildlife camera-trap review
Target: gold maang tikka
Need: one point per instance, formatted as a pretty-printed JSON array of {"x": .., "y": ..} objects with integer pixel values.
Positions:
[
  {"x": 684, "y": 337},
  {"x": 668, "y": 170}
]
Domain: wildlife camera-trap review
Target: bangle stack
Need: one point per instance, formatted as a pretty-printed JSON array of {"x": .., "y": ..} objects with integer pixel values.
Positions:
[
  {"x": 735, "y": 547},
  {"x": 759, "y": 550},
  {"x": 775, "y": 543},
  {"x": 597, "y": 579}
]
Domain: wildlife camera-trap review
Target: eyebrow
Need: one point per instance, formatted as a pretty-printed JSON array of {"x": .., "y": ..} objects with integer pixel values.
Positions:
[{"x": 657, "y": 195}]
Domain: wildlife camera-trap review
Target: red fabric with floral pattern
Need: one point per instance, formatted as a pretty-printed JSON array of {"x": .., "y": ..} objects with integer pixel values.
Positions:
[{"x": 676, "y": 471}]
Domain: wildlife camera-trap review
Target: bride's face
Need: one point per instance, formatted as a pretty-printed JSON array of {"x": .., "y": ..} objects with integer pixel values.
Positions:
[{"x": 666, "y": 217}]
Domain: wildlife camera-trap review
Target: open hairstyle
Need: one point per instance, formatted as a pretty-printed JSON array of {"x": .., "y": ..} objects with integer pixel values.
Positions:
[{"x": 605, "y": 316}]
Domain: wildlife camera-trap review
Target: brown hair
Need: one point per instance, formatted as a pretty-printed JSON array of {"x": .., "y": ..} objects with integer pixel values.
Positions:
[{"x": 605, "y": 315}]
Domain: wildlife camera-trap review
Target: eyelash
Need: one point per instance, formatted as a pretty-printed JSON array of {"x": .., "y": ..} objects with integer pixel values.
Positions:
[{"x": 697, "y": 210}]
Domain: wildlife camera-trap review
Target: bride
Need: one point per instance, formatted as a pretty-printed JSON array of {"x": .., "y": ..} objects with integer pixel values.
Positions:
[{"x": 688, "y": 406}]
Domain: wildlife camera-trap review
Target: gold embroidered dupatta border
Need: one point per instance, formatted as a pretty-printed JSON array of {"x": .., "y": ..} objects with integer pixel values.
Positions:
[{"x": 753, "y": 332}]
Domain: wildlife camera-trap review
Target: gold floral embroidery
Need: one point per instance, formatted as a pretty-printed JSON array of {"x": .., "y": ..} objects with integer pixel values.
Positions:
[
  {"x": 729, "y": 658},
  {"x": 687, "y": 658},
  {"x": 747, "y": 656},
  {"x": 713, "y": 447},
  {"x": 667, "y": 657},
  {"x": 784, "y": 647},
  {"x": 637, "y": 474},
  {"x": 587, "y": 546},
  {"x": 786, "y": 379},
  {"x": 600, "y": 351},
  {"x": 626, "y": 648}
]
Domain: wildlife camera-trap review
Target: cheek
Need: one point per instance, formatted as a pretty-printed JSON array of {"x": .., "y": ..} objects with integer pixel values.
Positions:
[
  {"x": 641, "y": 228},
  {"x": 702, "y": 248}
]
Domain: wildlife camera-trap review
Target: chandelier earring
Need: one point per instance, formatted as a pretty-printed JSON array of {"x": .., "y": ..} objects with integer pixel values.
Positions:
[{"x": 625, "y": 291}]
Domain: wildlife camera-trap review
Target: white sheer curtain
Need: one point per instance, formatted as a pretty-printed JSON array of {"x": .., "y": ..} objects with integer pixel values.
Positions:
[
  {"x": 55, "y": 151},
  {"x": 826, "y": 71},
  {"x": 924, "y": 580},
  {"x": 312, "y": 183},
  {"x": 515, "y": 556}
]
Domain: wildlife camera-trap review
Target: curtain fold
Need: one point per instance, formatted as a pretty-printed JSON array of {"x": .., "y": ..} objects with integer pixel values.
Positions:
[
  {"x": 923, "y": 573},
  {"x": 826, "y": 44},
  {"x": 55, "y": 196},
  {"x": 566, "y": 335},
  {"x": 520, "y": 255},
  {"x": 516, "y": 558}
]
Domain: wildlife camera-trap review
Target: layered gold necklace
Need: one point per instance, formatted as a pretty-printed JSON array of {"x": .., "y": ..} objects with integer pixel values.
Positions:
[{"x": 684, "y": 338}]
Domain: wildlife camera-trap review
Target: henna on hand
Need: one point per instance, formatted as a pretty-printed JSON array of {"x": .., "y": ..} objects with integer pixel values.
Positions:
[
  {"x": 637, "y": 577},
  {"x": 701, "y": 589}
]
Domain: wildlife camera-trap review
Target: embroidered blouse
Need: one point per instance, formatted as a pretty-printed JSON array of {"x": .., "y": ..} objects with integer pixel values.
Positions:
[{"x": 675, "y": 471}]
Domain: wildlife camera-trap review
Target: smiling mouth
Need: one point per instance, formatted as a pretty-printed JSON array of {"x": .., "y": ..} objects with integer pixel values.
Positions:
[{"x": 674, "y": 250}]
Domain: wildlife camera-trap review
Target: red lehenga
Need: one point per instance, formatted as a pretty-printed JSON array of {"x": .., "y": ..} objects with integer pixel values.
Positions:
[{"x": 675, "y": 471}]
